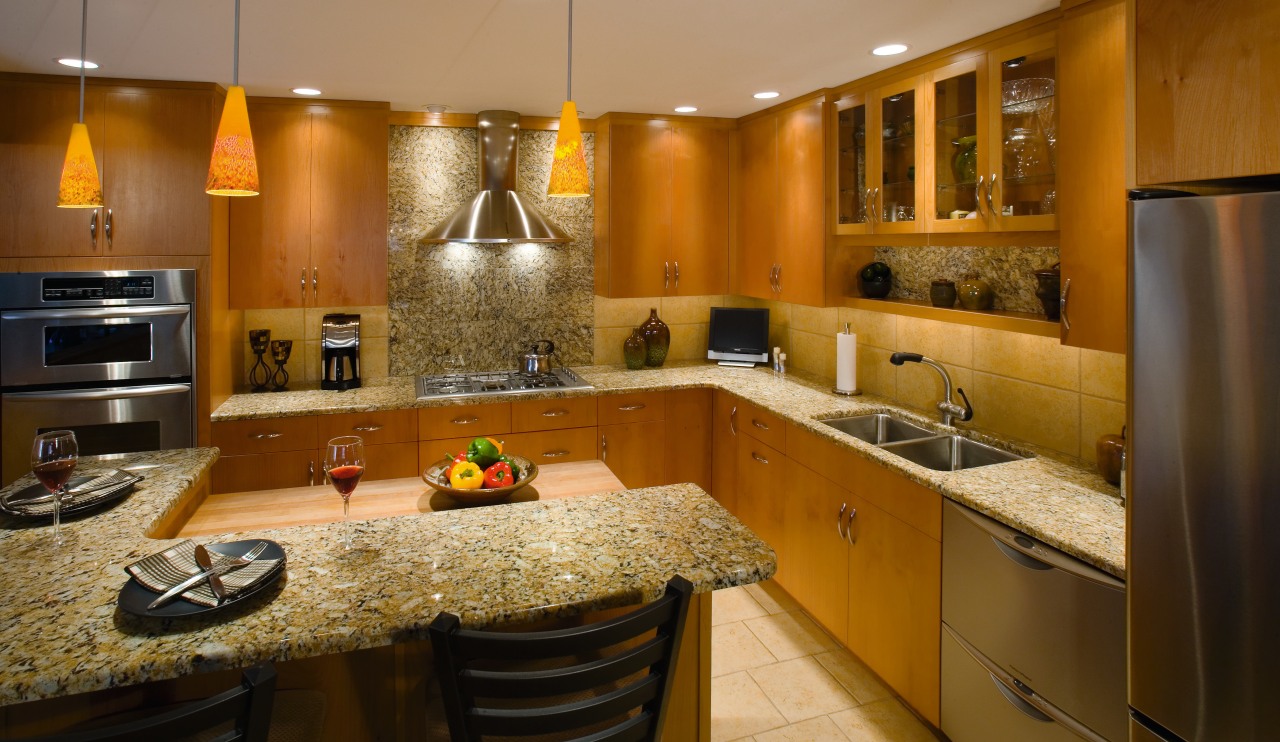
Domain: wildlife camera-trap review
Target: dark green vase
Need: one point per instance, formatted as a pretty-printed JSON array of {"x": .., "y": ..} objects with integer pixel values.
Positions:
[
  {"x": 634, "y": 350},
  {"x": 657, "y": 339}
]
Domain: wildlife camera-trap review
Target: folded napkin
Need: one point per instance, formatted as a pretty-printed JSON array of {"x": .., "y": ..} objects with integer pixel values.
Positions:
[{"x": 162, "y": 571}]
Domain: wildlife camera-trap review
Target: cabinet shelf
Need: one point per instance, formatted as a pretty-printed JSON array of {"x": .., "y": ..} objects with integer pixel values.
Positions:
[
  {"x": 959, "y": 118},
  {"x": 995, "y": 319}
]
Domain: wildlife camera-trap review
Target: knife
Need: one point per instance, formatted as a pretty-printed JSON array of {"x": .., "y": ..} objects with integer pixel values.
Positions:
[
  {"x": 182, "y": 587},
  {"x": 206, "y": 563}
]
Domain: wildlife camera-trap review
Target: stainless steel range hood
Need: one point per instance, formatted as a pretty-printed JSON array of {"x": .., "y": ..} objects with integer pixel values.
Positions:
[{"x": 497, "y": 213}]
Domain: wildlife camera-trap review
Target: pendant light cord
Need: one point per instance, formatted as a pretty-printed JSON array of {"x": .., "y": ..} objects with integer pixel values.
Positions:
[
  {"x": 569, "y": 88},
  {"x": 84, "y": 33},
  {"x": 235, "y": 48}
]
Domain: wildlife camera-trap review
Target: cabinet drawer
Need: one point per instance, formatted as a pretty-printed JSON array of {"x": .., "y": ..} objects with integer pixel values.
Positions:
[
  {"x": 631, "y": 408},
  {"x": 554, "y": 446},
  {"x": 456, "y": 421},
  {"x": 238, "y": 437},
  {"x": 765, "y": 427},
  {"x": 389, "y": 426},
  {"x": 825, "y": 457},
  {"x": 383, "y": 461},
  {"x": 265, "y": 471},
  {"x": 553, "y": 414}
]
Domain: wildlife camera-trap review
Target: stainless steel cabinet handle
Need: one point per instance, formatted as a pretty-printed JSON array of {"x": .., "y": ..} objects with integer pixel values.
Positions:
[
  {"x": 779, "y": 278},
  {"x": 555, "y": 413},
  {"x": 555, "y": 454},
  {"x": 840, "y": 520},
  {"x": 1062, "y": 304},
  {"x": 632, "y": 407},
  {"x": 866, "y": 205},
  {"x": 666, "y": 275},
  {"x": 302, "y": 286},
  {"x": 982, "y": 189},
  {"x": 368, "y": 428},
  {"x": 106, "y": 229},
  {"x": 604, "y": 448},
  {"x": 265, "y": 436},
  {"x": 733, "y": 420},
  {"x": 315, "y": 282},
  {"x": 311, "y": 472},
  {"x": 848, "y": 529},
  {"x": 991, "y": 190},
  {"x": 759, "y": 458},
  {"x": 464, "y": 420},
  {"x": 93, "y": 228},
  {"x": 773, "y": 271},
  {"x": 759, "y": 424},
  {"x": 677, "y": 266}
]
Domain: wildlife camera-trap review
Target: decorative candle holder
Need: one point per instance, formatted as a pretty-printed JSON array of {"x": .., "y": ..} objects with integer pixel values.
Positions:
[
  {"x": 259, "y": 374},
  {"x": 280, "y": 350}
]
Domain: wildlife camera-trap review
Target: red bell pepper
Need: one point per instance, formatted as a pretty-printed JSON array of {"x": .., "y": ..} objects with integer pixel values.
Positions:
[
  {"x": 461, "y": 458},
  {"x": 498, "y": 475}
]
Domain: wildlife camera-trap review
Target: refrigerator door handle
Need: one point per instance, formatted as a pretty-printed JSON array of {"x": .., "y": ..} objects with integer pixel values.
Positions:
[{"x": 1017, "y": 701}]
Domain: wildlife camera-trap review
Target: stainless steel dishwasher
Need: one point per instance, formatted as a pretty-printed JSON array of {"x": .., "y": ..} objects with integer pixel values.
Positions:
[{"x": 1033, "y": 640}]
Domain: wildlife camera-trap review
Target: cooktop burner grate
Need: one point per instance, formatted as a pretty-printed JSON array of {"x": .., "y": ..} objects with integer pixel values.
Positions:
[{"x": 496, "y": 382}]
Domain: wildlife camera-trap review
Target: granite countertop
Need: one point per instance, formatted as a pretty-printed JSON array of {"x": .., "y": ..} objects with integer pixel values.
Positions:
[
  {"x": 62, "y": 632},
  {"x": 1049, "y": 498}
]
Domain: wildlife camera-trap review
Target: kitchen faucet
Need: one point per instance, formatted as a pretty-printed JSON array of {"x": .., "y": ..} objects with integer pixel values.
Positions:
[{"x": 948, "y": 408}]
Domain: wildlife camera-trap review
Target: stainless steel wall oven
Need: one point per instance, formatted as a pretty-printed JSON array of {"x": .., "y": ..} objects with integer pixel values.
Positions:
[{"x": 108, "y": 354}]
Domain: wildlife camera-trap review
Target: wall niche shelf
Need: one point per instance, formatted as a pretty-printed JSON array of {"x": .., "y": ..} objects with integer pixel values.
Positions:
[{"x": 994, "y": 319}]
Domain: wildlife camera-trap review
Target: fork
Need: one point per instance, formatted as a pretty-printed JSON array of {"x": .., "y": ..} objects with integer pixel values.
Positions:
[{"x": 223, "y": 568}]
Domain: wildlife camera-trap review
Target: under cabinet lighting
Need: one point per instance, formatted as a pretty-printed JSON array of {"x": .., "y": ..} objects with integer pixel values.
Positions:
[
  {"x": 686, "y": 109},
  {"x": 888, "y": 50},
  {"x": 767, "y": 95},
  {"x": 69, "y": 62},
  {"x": 306, "y": 91}
]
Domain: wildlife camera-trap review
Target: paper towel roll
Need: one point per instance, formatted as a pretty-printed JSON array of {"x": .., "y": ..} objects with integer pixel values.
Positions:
[{"x": 847, "y": 362}]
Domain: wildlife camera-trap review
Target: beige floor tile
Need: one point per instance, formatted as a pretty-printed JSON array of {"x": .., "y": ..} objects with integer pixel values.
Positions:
[
  {"x": 790, "y": 635},
  {"x": 817, "y": 729},
  {"x": 734, "y": 649},
  {"x": 734, "y": 604},
  {"x": 856, "y": 677},
  {"x": 740, "y": 709},
  {"x": 772, "y": 597},
  {"x": 882, "y": 721},
  {"x": 802, "y": 689}
]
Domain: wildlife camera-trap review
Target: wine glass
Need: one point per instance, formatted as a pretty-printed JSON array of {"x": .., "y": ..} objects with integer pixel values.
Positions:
[
  {"x": 53, "y": 459},
  {"x": 344, "y": 465}
]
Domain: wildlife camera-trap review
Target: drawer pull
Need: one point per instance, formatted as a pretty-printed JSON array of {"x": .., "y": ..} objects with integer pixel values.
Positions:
[
  {"x": 464, "y": 420},
  {"x": 555, "y": 413},
  {"x": 759, "y": 458},
  {"x": 554, "y": 454},
  {"x": 632, "y": 407},
  {"x": 311, "y": 472},
  {"x": 759, "y": 424},
  {"x": 265, "y": 436},
  {"x": 368, "y": 428}
]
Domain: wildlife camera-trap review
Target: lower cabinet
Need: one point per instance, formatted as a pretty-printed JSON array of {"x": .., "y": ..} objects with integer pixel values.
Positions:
[
  {"x": 762, "y": 497},
  {"x": 815, "y": 537},
  {"x": 634, "y": 452},
  {"x": 724, "y": 450},
  {"x": 553, "y": 446},
  {"x": 265, "y": 471},
  {"x": 688, "y": 456}
]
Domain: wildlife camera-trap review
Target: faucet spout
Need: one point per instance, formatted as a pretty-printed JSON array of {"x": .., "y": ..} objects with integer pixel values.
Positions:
[{"x": 947, "y": 407}]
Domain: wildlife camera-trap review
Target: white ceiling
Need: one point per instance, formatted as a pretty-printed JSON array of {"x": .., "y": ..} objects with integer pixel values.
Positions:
[{"x": 643, "y": 56}]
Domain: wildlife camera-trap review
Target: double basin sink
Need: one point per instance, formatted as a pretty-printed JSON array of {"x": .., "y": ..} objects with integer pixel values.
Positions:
[{"x": 919, "y": 445}]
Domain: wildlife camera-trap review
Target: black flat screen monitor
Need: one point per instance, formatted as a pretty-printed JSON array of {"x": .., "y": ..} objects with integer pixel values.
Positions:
[{"x": 738, "y": 337}]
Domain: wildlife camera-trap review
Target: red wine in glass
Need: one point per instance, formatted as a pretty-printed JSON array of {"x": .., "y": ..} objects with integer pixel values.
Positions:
[
  {"x": 344, "y": 465},
  {"x": 53, "y": 459}
]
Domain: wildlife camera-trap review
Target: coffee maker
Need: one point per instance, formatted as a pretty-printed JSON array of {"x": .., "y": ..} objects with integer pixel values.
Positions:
[{"x": 340, "y": 351}]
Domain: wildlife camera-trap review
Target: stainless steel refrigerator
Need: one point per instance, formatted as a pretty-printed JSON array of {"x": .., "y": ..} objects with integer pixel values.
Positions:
[{"x": 1204, "y": 467}]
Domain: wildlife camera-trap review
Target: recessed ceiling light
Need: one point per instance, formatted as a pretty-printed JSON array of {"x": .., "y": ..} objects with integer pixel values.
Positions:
[
  {"x": 436, "y": 108},
  {"x": 767, "y": 95},
  {"x": 306, "y": 91},
  {"x": 686, "y": 109},
  {"x": 68, "y": 61},
  {"x": 888, "y": 50}
]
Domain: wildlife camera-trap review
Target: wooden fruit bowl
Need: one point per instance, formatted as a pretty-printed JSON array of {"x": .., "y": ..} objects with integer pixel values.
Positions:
[{"x": 434, "y": 477}]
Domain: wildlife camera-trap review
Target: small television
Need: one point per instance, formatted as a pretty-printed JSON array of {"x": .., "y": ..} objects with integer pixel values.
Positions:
[{"x": 738, "y": 337}]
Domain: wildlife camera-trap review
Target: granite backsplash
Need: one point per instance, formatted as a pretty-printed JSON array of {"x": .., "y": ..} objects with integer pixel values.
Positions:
[
  {"x": 483, "y": 302},
  {"x": 1007, "y": 270}
]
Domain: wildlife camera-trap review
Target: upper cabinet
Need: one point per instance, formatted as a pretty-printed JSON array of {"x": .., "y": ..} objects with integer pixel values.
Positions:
[
  {"x": 1207, "y": 96},
  {"x": 152, "y": 146},
  {"x": 1021, "y": 193},
  {"x": 316, "y": 236},
  {"x": 780, "y": 244},
  {"x": 661, "y": 207}
]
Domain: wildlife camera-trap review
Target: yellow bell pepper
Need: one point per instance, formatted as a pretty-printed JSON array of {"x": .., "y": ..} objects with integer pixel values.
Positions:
[{"x": 466, "y": 476}]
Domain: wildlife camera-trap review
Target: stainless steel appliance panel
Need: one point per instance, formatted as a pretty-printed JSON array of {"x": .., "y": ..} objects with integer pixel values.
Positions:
[
  {"x": 112, "y": 420},
  {"x": 1051, "y": 621},
  {"x": 91, "y": 344},
  {"x": 1204, "y": 463}
]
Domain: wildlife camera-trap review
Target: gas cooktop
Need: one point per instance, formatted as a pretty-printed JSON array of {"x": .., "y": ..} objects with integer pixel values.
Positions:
[{"x": 447, "y": 386}]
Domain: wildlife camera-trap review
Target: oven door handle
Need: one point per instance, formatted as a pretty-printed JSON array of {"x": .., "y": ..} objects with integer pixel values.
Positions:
[
  {"x": 127, "y": 392},
  {"x": 164, "y": 310}
]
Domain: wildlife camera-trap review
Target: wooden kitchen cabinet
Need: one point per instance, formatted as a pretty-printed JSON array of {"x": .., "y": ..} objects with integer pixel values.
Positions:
[
  {"x": 689, "y": 454},
  {"x": 374, "y": 428},
  {"x": 763, "y": 488},
  {"x": 780, "y": 231},
  {"x": 317, "y": 233},
  {"x": 616, "y": 409},
  {"x": 382, "y": 461},
  {"x": 554, "y": 446},
  {"x": 250, "y": 472},
  {"x": 553, "y": 414},
  {"x": 818, "y": 553},
  {"x": 152, "y": 146},
  {"x": 634, "y": 452},
  {"x": 265, "y": 435},
  {"x": 724, "y": 448},
  {"x": 661, "y": 207},
  {"x": 456, "y": 421}
]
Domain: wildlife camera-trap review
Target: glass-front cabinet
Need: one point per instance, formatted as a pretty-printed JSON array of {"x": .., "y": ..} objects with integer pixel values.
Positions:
[
  {"x": 959, "y": 146},
  {"x": 895, "y": 204},
  {"x": 878, "y": 148},
  {"x": 853, "y": 191},
  {"x": 1021, "y": 187}
]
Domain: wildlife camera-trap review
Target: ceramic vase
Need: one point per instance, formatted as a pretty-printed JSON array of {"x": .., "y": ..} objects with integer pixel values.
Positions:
[
  {"x": 974, "y": 293},
  {"x": 1048, "y": 290},
  {"x": 942, "y": 293},
  {"x": 657, "y": 339},
  {"x": 634, "y": 349},
  {"x": 875, "y": 280}
]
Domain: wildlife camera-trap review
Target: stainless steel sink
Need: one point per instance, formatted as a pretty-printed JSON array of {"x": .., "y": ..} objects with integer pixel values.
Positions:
[
  {"x": 950, "y": 453},
  {"x": 878, "y": 429}
]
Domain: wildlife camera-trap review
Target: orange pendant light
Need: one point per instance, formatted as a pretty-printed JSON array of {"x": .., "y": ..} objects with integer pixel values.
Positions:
[
  {"x": 80, "y": 187},
  {"x": 233, "y": 169},
  {"x": 569, "y": 177}
]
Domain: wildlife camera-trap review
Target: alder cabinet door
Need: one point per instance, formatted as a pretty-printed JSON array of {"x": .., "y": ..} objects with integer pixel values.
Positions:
[
  {"x": 383, "y": 461},
  {"x": 800, "y": 251},
  {"x": 755, "y": 248},
  {"x": 689, "y": 451},
  {"x": 637, "y": 234},
  {"x": 634, "y": 452},
  {"x": 763, "y": 487},
  {"x": 818, "y": 562},
  {"x": 724, "y": 446},
  {"x": 699, "y": 211},
  {"x": 266, "y": 471}
]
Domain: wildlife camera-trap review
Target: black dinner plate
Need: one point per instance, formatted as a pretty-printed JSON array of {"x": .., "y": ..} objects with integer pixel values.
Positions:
[
  {"x": 134, "y": 598},
  {"x": 18, "y": 505}
]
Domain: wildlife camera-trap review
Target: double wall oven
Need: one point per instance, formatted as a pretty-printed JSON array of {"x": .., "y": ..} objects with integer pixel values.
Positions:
[{"x": 108, "y": 354}]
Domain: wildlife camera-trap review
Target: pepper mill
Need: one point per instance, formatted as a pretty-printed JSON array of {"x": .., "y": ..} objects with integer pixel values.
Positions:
[
  {"x": 280, "y": 350},
  {"x": 259, "y": 374}
]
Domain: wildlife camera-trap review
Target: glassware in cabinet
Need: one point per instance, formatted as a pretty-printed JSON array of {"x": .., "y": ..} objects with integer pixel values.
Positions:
[
  {"x": 900, "y": 194},
  {"x": 853, "y": 188},
  {"x": 1021, "y": 192},
  {"x": 959, "y": 149}
]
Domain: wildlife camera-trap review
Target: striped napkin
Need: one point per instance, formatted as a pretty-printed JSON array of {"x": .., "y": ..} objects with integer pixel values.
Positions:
[{"x": 161, "y": 571}]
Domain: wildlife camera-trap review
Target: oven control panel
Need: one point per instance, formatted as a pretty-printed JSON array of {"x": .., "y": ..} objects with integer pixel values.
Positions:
[{"x": 80, "y": 288}]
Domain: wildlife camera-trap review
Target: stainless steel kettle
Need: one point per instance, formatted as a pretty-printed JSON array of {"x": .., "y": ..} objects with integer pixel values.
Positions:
[{"x": 534, "y": 362}]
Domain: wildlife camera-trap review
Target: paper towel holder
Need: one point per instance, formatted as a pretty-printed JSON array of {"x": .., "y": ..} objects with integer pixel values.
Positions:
[{"x": 855, "y": 392}]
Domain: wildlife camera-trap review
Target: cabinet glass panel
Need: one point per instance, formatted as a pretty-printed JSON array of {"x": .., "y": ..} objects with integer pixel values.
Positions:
[
  {"x": 1028, "y": 135},
  {"x": 852, "y": 172},
  {"x": 898, "y": 157},
  {"x": 956, "y": 146}
]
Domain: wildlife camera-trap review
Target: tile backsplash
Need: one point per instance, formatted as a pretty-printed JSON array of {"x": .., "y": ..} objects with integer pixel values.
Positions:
[
  {"x": 302, "y": 326},
  {"x": 1007, "y": 270}
]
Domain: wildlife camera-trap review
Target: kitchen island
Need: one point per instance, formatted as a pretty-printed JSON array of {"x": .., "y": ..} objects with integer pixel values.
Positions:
[{"x": 62, "y": 633}]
